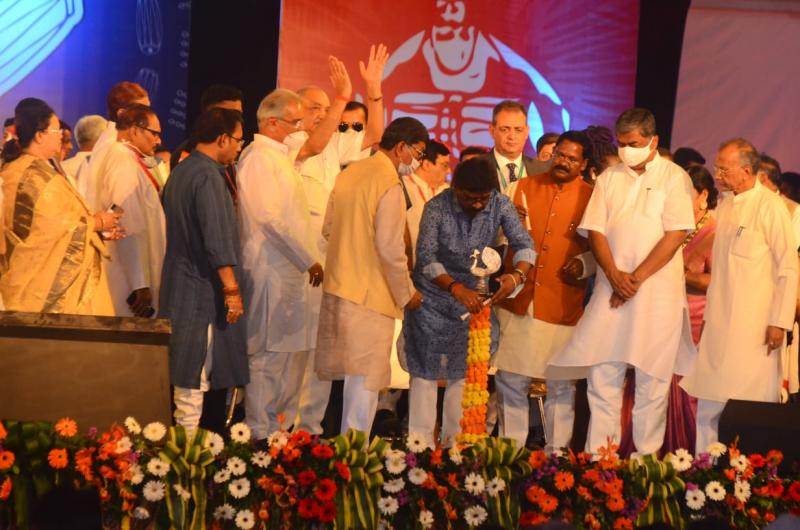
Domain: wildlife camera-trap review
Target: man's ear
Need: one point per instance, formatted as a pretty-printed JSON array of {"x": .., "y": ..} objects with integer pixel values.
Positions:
[{"x": 655, "y": 139}]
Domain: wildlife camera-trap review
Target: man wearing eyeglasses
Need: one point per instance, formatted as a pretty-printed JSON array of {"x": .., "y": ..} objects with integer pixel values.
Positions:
[
  {"x": 279, "y": 251},
  {"x": 751, "y": 297},
  {"x": 539, "y": 321},
  {"x": 130, "y": 182}
]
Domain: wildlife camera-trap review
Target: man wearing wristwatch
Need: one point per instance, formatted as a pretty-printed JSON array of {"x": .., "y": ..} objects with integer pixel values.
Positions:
[{"x": 455, "y": 223}]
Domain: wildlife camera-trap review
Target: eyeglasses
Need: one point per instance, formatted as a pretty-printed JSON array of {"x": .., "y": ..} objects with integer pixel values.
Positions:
[
  {"x": 357, "y": 126},
  {"x": 154, "y": 132},
  {"x": 473, "y": 199},
  {"x": 53, "y": 131},
  {"x": 418, "y": 153},
  {"x": 294, "y": 123},
  {"x": 239, "y": 140},
  {"x": 568, "y": 159},
  {"x": 723, "y": 171}
]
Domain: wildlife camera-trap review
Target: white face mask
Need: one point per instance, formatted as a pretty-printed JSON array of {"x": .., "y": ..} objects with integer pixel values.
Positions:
[
  {"x": 634, "y": 156},
  {"x": 407, "y": 169}
]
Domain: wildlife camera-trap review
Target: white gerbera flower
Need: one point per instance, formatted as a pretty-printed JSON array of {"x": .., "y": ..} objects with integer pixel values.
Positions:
[
  {"x": 455, "y": 455},
  {"x": 261, "y": 459},
  {"x": 475, "y": 515},
  {"x": 495, "y": 486},
  {"x": 415, "y": 442},
  {"x": 236, "y": 466},
  {"x": 426, "y": 518},
  {"x": 224, "y": 512},
  {"x": 417, "y": 476},
  {"x": 132, "y": 425},
  {"x": 395, "y": 461},
  {"x": 278, "y": 439},
  {"x": 183, "y": 492},
  {"x": 681, "y": 460},
  {"x": 740, "y": 463},
  {"x": 695, "y": 499},
  {"x": 388, "y": 505},
  {"x": 245, "y": 519},
  {"x": 124, "y": 445},
  {"x": 715, "y": 491},
  {"x": 239, "y": 488},
  {"x": 141, "y": 513},
  {"x": 222, "y": 476},
  {"x": 394, "y": 486},
  {"x": 154, "y": 431},
  {"x": 157, "y": 467},
  {"x": 214, "y": 443},
  {"x": 135, "y": 472},
  {"x": 240, "y": 433},
  {"x": 474, "y": 484},
  {"x": 716, "y": 449},
  {"x": 741, "y": 490},
  {"x": 154, "y": 490}
]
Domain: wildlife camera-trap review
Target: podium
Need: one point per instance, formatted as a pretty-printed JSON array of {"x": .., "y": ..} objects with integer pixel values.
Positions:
[{"x": 96, "y": 370}]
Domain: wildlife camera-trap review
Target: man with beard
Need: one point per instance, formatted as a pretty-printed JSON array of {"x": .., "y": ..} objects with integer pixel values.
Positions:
[{"x": 539, "y": 321}]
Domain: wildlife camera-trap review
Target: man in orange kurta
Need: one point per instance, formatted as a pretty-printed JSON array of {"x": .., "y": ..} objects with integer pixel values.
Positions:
[{"x": 539, "y": 320}]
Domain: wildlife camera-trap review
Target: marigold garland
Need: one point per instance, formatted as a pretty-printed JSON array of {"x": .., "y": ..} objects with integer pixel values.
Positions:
[{"x": 476, "y": 395}]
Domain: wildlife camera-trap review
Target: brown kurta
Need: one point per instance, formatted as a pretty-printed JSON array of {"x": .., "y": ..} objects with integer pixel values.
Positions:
[
  {"x": 555, "y": 211},
  {"x": 53, "y": 253}
]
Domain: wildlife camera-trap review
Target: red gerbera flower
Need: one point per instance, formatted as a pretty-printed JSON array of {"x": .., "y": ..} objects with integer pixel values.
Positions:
[
  {"x": 794, "y": 491},
  {"x": 306, "y": 478},
  {"x": 5, "y": 489},
  {"x": 537, "y": 459},
  {"x": 615, "y": 503},
  {"x": 757, "y": 461},
  {"x": 300, "y": 438},
  {"x": 343, "y": 469},
  {"x": 623, "y": 523},
  {"x": 548, "y": 503},
  {"x": 307, "y": 508},
  {"x": 326, "y": 490},
  {"x": 564, "y": 480},
  {"x": 322, "y": 451},
  {"x": 775, "y": 488},
  {"x": 327, "y": 512},
  {"x": 535, "y": 493}
]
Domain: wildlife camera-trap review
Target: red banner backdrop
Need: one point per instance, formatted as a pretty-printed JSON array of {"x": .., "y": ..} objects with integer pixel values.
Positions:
[{"x": 572, "y": 63}]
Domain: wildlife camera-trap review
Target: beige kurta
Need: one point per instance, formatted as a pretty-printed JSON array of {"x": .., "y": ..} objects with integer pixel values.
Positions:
[
  {"x": 54, "y": 256},
  {"x": 353, "y": 339},
  {"x": 753, "y": 285}
]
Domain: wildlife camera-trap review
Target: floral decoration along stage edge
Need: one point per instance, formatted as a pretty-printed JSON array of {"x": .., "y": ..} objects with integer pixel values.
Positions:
[
  {"x": 476, "y": 393},
  {"x": 159, "y": 477}
]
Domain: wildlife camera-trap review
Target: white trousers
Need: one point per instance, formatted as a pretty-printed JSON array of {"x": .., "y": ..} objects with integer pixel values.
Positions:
[
  {"x": 189, "y": 401},
  {"x": 514, "y": 409},
  {"x": 422, "y": 401},
  {"x": 707, "y": 423},
  {"x": 358, "y": 405},
  {"x": 605, "y": 390},
  {"x": 313, "y": 400},
  {"x": 275, "y": 379}
]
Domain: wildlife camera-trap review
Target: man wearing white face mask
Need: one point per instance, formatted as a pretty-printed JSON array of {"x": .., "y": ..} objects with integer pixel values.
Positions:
[{"x": 639, "y": 214}]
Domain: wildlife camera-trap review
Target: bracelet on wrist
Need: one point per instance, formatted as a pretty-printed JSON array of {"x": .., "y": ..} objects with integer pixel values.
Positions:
[{"x": 521, "y": 274}]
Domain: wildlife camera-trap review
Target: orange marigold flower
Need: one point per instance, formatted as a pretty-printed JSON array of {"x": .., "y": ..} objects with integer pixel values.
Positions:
[
  {"x": 5, "y": 489},
  {"x": 6, "y": 459},
  {"x": 537, "y": 459},
  {"x": 436, "y": 457},
  {"x": 57, "y": 458},
  {"x": 3, "y": 432},
  {"x": 615, "y": 503},
  {"x": 66, "y": 427},
  {"x": 548, "y": 503},
  {"x": 564, "y": 480},
  {"x": 623, "y": 523}
]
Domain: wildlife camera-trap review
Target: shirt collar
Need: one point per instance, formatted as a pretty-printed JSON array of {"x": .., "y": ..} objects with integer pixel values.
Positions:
[
  {"x": 206, "y": 157},
  {"x": 741, "y": 197},
  {"x": 503, "y": 161},
  {"x": 266, "y": 141},
  {"x": 649, "y": 166}
]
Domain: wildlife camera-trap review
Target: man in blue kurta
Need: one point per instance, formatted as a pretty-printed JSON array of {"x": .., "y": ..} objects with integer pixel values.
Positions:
[
  {"x": 201, "y": 275},
  {"x": 454, "y": 224}
]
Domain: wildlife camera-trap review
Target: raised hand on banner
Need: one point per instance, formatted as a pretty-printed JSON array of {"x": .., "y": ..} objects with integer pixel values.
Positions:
[
  {"x": 339, "y": 77},
  {"x": 372, "y": 72}
]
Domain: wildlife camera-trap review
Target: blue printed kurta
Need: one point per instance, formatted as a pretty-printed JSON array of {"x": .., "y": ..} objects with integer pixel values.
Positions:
[
  {"x": 434, "y": 335},
  {"x": 202, "y": 236}
]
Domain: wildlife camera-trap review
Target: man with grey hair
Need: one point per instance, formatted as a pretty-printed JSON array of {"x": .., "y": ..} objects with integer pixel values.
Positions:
[
  {"x": 639, "y": 214},
  {"x": 752, "y": 295},
  {"x": 87, "y": 131},
  {"x": 278, "y": 249}
]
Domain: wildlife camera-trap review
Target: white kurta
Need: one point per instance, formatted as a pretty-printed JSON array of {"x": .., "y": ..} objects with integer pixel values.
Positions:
[
  {"x": 753, "y": 285},
  {"x": 94, "y": 177},
  {"x": 278, "y": 247},
  {"x": 420, "y": 193},
  {"x": 136, "y": 260},
  {"x": 651, "y": 329}
]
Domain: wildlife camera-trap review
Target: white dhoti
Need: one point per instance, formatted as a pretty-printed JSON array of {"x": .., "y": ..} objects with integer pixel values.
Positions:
[
  {"x": 422, "y": 407},
  {"x": 275, "y": 378},
  {"x": 189, "y": 401},
  {"x": 707, "y": 422}
]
